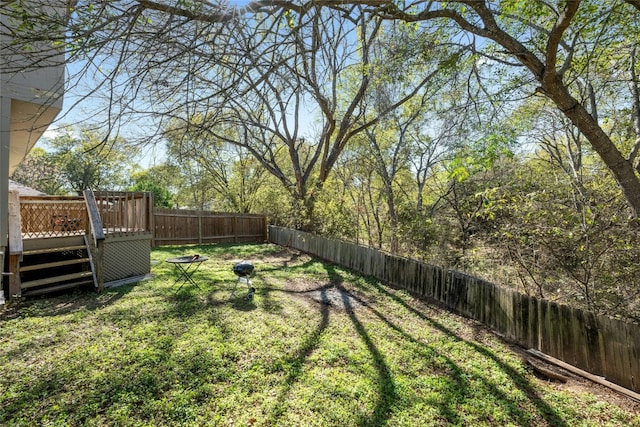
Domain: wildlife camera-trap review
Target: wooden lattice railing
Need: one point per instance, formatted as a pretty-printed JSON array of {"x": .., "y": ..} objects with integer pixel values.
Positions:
[{"x": 52, "y": 216}]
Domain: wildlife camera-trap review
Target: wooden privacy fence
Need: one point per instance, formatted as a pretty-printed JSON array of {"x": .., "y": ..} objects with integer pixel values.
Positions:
[
  {"x": 181, "y": 226},
  {"x": 599, "y": 345}
]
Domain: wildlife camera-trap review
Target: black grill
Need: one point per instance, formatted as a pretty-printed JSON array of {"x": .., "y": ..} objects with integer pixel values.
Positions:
[{"x": 243, "y": 269}]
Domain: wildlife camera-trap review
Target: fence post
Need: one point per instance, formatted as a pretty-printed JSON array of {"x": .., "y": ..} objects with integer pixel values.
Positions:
[
  {"x": 235, "y": 229},
  {"x": 265, "y": 229},
  {"x": 150, "y": 220}
]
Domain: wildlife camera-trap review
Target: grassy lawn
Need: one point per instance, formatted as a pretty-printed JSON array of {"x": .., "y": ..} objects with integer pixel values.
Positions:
[{"x": 316, "y": 346}]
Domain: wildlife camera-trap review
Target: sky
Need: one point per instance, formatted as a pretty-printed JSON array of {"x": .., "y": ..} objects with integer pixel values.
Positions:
[{"x": 78, "y": 107}]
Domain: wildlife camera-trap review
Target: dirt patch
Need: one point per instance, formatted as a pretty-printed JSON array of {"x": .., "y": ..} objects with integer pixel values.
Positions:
[
  {"x": 285, "y": 257},
  {"x": 323, "y": 293},
  {"x": 336, "y": 297}
]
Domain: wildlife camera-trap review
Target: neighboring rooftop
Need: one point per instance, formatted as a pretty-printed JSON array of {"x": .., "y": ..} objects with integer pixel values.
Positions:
[{"x": 23, "y": 190}]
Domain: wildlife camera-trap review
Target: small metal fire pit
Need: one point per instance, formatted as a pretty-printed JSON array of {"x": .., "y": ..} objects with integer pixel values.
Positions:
[{"x": 244, "y": 271}]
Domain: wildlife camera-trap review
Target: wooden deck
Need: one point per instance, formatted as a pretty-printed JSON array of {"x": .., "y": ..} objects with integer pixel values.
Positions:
[{"x": 62, "y": 242}]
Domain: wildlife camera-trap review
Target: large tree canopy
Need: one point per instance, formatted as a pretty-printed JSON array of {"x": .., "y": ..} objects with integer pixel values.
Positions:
[
  {"x": 144, "y": 53},
  {"x": 251, "y": 81}
]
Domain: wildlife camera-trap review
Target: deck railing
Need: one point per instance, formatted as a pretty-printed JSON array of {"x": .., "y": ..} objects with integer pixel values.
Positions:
[
  {"x": 55, "y": 216},
  {"x": 125, "y": 212},
  {"x": 132, "y": 213},
  {"x": 52, "y": 216}
]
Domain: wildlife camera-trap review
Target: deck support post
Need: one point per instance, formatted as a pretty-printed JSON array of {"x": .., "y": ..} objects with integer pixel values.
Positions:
[{"x": 15, "y": 244}]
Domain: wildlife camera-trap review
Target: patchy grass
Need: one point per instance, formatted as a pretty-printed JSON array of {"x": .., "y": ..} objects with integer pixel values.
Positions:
[{"x": 316, "y": 346}]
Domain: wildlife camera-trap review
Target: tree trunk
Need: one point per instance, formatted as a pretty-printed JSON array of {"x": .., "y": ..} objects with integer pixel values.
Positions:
[
  {"x": 550, "y": 77},
  {"x": 621, "y": 168}
]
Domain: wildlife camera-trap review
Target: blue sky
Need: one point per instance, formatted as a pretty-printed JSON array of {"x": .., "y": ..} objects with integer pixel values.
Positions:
[{"x": 81, "y": 108}]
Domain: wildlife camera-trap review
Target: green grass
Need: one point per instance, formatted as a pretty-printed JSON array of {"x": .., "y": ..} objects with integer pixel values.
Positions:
[{"x": 316, "y": 346}]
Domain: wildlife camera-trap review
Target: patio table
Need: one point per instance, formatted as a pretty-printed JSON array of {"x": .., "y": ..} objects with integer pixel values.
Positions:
[{"x": 186, "y": 266}]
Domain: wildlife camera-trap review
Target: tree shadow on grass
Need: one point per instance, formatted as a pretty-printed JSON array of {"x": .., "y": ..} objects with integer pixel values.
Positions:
[
  {"x": 71, "y": 392},
  {"x": 451, "y": 393},
  {"x": 387, "y": 392},
  {"x": 548, "y": 413},
  {"x": 296, "y": 364},
  {"x": 57, "y": 305},
  {"x": 221, "y": 287},
  {"x": 456, "y": 391}
]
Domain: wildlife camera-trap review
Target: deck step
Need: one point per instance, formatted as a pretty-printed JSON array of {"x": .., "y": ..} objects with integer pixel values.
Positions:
[
  {"x": 53, "y": 250},
  {"x": 57, "y": 279},
  {"x": 40, "y": 291},
  {"x": 54, "y": 264},
  {"x": 50, "y": 265}
]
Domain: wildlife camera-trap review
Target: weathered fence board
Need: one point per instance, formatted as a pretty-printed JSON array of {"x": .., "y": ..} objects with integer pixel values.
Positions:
[
  {"x": 601, "y": 346},
  {"x": 633, "y": 342}
]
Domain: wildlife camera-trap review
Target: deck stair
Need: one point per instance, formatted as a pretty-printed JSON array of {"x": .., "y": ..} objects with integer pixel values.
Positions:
[{"x": 54, "y": 264}]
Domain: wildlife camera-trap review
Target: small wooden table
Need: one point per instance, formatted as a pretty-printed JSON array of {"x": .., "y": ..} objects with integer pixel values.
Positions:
[{"x": 186, "y": 266}]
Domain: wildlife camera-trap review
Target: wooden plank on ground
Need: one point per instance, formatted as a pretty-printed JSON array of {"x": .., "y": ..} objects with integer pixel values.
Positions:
[{"x": 585, "y": 374}]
